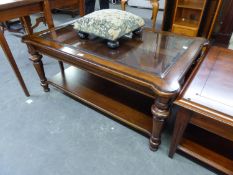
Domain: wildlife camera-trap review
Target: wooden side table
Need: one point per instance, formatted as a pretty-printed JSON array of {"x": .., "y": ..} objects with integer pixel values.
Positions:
[{"x": 207, "y": 102}]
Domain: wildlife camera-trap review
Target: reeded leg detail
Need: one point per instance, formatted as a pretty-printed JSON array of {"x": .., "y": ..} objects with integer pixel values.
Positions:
[
  {"x": 38, "y": 65},
  {"x": 160, "y": 111}
]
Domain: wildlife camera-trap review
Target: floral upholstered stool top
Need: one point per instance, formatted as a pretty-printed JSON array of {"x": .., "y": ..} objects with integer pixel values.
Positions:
[{"x": 109, "y": 24}]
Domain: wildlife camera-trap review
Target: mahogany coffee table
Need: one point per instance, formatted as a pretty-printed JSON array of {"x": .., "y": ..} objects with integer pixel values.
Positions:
[{"x": 142, "y": 76}]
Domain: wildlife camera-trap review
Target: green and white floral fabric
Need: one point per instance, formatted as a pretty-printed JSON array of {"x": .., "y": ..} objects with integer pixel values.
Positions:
[{"x": 110, "y": 24}]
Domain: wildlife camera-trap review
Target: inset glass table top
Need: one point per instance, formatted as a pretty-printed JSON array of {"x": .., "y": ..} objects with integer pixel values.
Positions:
[{"x": 152, "y": 52}]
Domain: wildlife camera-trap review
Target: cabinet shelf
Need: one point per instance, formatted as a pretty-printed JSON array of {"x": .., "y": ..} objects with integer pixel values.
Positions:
[
  {"x": 187, "y": 23},
  {"x": 191, "y": 5}
]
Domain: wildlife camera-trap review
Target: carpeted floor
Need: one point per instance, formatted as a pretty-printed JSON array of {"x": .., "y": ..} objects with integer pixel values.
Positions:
[{"x": 52, "y": 134}]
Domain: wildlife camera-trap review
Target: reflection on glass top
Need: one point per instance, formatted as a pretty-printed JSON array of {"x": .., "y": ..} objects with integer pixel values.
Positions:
[{"x": 152, "y": 52}]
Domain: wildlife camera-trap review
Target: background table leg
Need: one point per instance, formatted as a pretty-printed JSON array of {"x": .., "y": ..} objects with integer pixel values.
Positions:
[
  {"x": 12, "y": 62},
  {"x": 49, "y": 21}
]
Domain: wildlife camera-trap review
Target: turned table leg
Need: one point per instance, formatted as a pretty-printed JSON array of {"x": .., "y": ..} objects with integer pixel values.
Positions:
[
  {"x": 26, "y": 21},
  {"x": 160, "y": 111},
  {"x": 38, "y": 65},
  {"x": 12, "y": 62}
]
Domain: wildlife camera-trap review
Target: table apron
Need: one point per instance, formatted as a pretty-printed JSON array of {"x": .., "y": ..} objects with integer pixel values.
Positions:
[
  {"x": 145, "y": 90},
  {"x": 21, "y": 11}
]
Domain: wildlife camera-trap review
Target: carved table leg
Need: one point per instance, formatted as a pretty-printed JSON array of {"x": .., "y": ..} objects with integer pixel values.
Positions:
[
  {"x": 12, "y": 62},
  {"x": 26, "y": 21},
  {"x": 160, "y": 111},
  {"x": 38, "y": 64}
]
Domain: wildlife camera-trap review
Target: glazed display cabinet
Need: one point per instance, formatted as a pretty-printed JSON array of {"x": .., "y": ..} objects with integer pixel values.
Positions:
[{"x": 187, "y": 17}]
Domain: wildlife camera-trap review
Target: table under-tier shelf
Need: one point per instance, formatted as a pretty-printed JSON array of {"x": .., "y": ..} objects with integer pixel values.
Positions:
[{"x": 119, "y": 102}]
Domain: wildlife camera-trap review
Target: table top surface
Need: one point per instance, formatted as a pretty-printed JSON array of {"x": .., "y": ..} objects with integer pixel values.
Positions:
[
  {"x": 210, "y": 90},
  {"x": 161, "y": 58},
  {"x": 6, "y": 4},
  {"x": 11, "y": 9}
]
